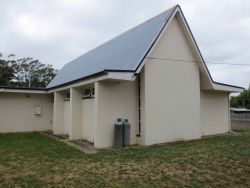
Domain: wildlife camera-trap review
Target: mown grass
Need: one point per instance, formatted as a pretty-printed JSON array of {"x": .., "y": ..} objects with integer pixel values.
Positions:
[{"x": 35, "y": 160}]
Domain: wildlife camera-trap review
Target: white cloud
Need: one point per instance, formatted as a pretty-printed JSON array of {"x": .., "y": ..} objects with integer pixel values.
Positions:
[{"x": 60, "y": 30}]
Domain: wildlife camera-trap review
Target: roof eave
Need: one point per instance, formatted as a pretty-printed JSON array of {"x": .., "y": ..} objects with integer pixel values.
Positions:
[
  {"x": 23, "y": 90},
  {"x": 108, "y": 74},
  {"x": 227, "y": 88}
]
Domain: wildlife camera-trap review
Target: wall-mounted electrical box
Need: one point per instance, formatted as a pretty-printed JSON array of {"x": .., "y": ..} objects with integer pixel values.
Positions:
[{"x": 38, "y": 110}]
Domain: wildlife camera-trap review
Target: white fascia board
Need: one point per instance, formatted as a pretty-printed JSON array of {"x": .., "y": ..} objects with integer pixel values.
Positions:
[
  {"x": 128, "y": 76},
  {"x": 227, "y": 88},
  {"x": 15, "y": 90},
  {"x": 81, "y": 83}
]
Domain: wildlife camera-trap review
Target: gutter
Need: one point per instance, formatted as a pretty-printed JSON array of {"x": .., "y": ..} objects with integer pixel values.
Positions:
[
  {"x": 22, "y": 90},
  {"x": 2, "y": 88}
]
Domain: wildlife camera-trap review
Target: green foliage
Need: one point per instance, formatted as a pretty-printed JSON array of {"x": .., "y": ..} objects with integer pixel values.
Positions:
[
  {"x": 241, "y": 101},
  {"x": 25, "y": 72},
  {"x": 6, "y": 71}
]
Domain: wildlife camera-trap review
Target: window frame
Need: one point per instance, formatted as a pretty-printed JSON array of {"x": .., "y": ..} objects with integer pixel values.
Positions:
[
  {"x": 90, "y": 94},
  {"x": 67, "y": 96}
]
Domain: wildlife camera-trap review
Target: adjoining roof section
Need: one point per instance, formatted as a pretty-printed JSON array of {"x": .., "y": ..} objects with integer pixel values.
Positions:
[
  {"x": 5, "y": 89},
  {"x": 240, "y": 110},
  {"x": 124, "y": 52},
  {"x": 225, "y": 87}
]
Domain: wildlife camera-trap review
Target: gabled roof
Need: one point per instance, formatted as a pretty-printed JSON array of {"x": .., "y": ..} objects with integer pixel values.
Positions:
[
  {"x": 128, "y": 53},
  {"x": 124, "y": 53}
]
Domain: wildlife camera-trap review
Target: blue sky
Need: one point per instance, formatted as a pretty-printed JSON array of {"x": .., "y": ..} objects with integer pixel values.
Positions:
[{"x": 58, "y": 31}]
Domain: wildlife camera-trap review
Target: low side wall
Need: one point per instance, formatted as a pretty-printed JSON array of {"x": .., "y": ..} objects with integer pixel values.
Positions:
[
  {"x": 172, "y": 90},
  {"x": 17, "y": 112},
  {"x": 66, "y": 117},
  {"x": 214, "y": 113},
  {"x": 114, "y": 100},
  {"x": 88, "y": 119}
]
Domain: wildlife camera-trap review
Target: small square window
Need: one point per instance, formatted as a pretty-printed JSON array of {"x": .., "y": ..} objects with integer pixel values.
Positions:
[
  {"x": 67, "y": 97},
  {"x": 87, "y": 93}
]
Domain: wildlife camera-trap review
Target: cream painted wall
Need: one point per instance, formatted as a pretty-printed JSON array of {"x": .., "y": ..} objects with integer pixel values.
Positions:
[
  {"x": 58, "y": 113},
  {"x": 172, "y": 90},
  {"x": 52, "y": 114},
  {"x": 87, "y": 119},
  {"x": 114, "y": 100},
  {"x": 214, "y": 112},
  {"x": 66, "y": 117},
  {"x": 17, "y": 112},
  {"x": 75, "y": 114}
]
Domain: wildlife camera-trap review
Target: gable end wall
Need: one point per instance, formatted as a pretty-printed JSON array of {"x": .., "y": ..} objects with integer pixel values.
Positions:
[{"x": 171, "y": 90}]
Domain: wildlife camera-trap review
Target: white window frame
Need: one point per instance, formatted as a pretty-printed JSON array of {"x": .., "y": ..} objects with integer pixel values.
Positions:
[
  {"x": 67, "y": 96},
  {"x": 90, "y": 94}
]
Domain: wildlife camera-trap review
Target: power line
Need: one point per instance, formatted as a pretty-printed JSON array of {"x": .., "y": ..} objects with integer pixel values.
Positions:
[
  {"x": 207, "y": 62},
  {"x": 239, "y": 64}
]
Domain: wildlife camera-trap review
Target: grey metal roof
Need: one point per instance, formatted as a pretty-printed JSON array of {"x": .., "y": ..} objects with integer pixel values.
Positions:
[{"x": 124, "y": 52}]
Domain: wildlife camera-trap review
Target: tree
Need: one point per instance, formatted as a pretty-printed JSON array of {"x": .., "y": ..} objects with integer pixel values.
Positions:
[
  {"x": 241, "y": 101},
  {"x": 6, "y": 71},
  {"x": 25, "y": 72},
  {"x": 32, "y": 73}
]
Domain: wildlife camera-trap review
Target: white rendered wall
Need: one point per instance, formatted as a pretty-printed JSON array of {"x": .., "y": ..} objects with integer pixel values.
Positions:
[
  {"x": 58, "y": 113},
  {"x": 66, "y": 117},
  {"x": 114, "y": 100},
  {"x": 215, "y": 117},
  {"x": 172, "y": 90},
  {"x": 17, "y": 112},
  {"x": 75, "y": 114},
  {"x": 88, "y": 119}
]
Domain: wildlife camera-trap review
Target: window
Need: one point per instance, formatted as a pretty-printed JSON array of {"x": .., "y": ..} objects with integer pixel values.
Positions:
[
  {"x": 89, "y": 93},
  {"x": 93, "y": 92},
  {"x": 67, "y": 96}
]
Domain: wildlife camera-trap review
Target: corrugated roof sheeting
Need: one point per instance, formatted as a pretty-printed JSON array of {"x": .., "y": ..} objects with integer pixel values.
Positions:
[{"x": 124, "y": 52}]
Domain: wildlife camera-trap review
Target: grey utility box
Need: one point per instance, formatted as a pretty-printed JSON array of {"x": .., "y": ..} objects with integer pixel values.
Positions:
[
  {"x": 118, "y": 140},
  {"x": 126, "y": 132}
]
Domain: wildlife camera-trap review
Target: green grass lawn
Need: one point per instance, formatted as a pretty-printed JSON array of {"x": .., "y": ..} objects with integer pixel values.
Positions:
[{"x": 35, "y": 160}]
